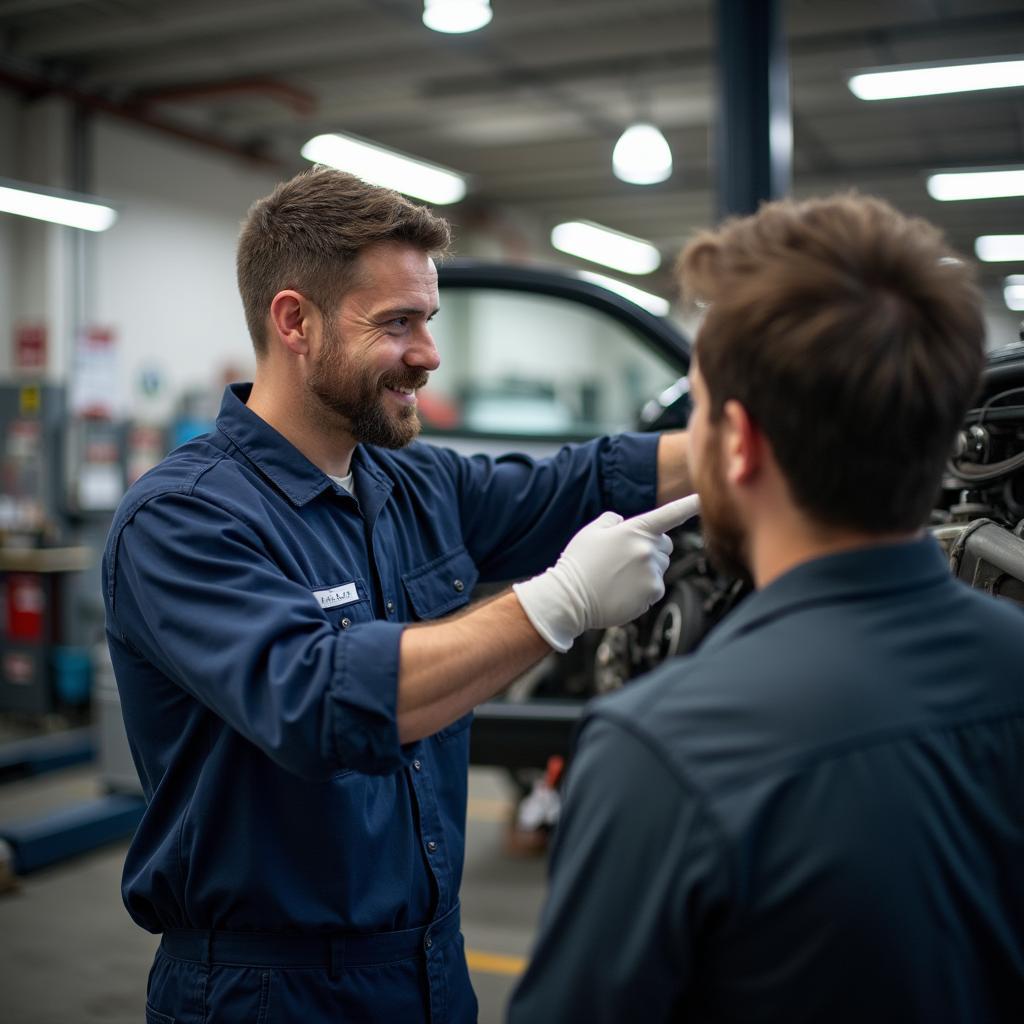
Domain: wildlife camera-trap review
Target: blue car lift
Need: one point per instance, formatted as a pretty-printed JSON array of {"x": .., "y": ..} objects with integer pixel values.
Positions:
[
  {"x": 33, "y": 843},
  {"x": 23, "y": 758},
  {"x": 38, "y": 842}
]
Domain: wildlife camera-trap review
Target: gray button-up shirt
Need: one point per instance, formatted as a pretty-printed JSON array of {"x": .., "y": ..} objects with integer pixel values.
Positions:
[{"x": 819, "y": 816}]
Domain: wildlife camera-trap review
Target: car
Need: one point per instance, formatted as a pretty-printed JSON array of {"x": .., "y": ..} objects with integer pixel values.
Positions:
[{"x": 536, "y": 357}]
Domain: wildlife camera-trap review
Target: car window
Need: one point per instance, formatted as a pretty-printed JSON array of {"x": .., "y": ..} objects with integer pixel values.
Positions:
[{"x": 522, "y": 364}]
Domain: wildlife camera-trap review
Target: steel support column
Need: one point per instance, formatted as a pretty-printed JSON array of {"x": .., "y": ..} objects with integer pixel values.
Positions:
[{"x": 754, "y": 126}]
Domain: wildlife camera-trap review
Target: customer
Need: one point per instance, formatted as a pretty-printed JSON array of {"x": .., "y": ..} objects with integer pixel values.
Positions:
[
  {"x": 303, "y": 750},
  {"x": 819, "y": 815}
]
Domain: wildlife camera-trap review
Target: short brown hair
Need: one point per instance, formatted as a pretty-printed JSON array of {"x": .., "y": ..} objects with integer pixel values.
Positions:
[
  {"x": 854, "y": 338},
  {"x": 308, "y": 233}
]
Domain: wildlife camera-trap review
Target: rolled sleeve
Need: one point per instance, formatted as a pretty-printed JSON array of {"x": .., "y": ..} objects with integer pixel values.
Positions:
[
  {"x": 194, "y": 592},
  {"x": 362, "y": 725},
  {"x": 629, "y": 473}
]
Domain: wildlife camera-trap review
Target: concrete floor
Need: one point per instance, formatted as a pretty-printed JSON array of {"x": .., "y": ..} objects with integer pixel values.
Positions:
[{"x": 69, "y": 951}]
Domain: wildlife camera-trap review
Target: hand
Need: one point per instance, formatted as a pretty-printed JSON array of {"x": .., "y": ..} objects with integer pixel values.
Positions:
[{"x": 610, "y": 572}]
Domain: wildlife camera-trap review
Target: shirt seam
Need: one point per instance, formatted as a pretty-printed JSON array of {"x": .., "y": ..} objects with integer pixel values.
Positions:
[
  {"x": 654, "y": 746},
  {"x": 186, "y": 487},
  {"x": 794, "y": 764}
]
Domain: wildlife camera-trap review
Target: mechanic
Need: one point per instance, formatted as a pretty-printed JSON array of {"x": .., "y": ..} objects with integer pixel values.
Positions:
[
  {"x": 817, "y": 816},
  {"x": 303, "y": 751}
]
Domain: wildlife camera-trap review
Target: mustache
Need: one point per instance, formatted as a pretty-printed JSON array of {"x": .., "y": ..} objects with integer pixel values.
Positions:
[{"x": 415, "y": 379}]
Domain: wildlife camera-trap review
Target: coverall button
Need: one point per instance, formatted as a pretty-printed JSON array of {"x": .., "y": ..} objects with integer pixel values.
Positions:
[
  {"x": 431, "y": 846},
  {"x": 459, "y": 586},
  {"x": 345, "y": 623},
  {"x": 391, "y": 606},
  {"x": 417, "y": 765},
  {"x": 428, "y": 942}
]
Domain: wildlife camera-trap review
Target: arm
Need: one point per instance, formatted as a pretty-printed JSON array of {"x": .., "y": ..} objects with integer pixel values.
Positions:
[
  {"x": 448, "y": 667},
  {"x": 632, "y": 866},
  {"x": 674, "y": 478},
  {"x": 609, "y": 573},
  {"x": 517, "y": 513},
  {"x": 192, "y": 589}
]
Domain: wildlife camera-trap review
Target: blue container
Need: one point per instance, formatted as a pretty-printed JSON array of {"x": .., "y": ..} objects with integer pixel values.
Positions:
[{"x": 72, "y": 673}]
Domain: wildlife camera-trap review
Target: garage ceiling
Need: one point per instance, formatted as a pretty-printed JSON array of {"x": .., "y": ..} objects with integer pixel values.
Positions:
[{"x": 531, "y": 106}]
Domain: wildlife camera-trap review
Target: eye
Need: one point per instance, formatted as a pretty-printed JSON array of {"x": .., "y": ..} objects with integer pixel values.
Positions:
[{"x": 399, "y": 321}]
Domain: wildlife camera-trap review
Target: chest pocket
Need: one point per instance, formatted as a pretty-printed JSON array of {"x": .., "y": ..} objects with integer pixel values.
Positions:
[{"x": 442, "y": 585}]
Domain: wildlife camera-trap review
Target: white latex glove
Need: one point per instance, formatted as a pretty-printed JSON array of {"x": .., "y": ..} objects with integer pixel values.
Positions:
[{"x": 609, "y": 573}]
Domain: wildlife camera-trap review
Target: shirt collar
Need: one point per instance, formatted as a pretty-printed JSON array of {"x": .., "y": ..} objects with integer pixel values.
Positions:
[
  {"x": 276, "y": 457},
  {"x": 876, "y": 569}
]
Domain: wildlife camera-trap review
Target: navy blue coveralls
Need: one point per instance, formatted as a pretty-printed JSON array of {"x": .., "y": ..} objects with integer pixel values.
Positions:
[{"x": 301, "y": 863}]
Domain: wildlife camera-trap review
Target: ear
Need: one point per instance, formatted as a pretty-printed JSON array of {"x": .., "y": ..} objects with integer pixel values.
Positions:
[
  {"x": 743, "y": 457},
  {"x": 293, "y": 321}
]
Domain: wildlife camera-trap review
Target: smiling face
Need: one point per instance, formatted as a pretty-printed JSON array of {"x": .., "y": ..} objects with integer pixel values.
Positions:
[{"x": 376, "y": 350}]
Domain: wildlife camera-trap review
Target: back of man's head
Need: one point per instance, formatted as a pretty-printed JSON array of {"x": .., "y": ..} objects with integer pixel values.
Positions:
[
  {"x": 853, "y": 336},
  {"x": 308, "y": 233}
]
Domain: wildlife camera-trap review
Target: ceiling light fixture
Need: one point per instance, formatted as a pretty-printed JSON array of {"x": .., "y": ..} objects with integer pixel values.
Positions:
[
  {"x": 999, "y": 248},
  {"x": 1013, "y": 292},
  {"x": 935, "y": 79},
  {"x": 642, "y": 155},
  {"x": 67, "y": 208},
  {"x": 381, "y": 166},
  {"x": 602, "y": 245},
  {"x": 652, "y": 303},
  {"x": 990, "y": 184},
  {"x": 454, "y": 16}
]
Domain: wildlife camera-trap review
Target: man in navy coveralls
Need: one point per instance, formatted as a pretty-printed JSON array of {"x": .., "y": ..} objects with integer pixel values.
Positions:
[
  {"x": 819, "y": 815},
  {"x": 301, "y": 739}
]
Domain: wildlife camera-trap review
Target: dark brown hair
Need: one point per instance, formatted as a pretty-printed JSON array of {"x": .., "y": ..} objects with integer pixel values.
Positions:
[
  {"x": 308, "y": 233},
  {"x": 853, "y": 336}
]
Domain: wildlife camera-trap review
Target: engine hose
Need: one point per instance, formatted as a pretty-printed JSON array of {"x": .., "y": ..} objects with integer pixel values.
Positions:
[{"x": 986, "y": 474}]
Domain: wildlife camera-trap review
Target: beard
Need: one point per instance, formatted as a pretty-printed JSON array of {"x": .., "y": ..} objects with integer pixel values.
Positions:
[
  {"x": 342, "y": 391},
  {"x": 725, "y": 538}
]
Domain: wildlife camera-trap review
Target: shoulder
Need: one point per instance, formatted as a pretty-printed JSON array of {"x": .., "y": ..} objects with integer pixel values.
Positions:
[
  {"x": 196, "y": 481},
  {"x": 178, "y": 473}
]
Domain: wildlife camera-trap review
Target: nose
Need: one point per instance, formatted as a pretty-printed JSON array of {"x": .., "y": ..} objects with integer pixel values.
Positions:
[{"x": 422, "y": 352}]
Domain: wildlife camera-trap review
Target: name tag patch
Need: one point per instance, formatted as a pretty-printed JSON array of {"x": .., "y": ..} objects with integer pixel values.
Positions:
[{"x": 337, "y": 596}]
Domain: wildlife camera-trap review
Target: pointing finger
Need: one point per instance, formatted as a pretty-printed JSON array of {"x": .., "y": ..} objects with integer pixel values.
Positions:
[{"x": 660, "y": 520}]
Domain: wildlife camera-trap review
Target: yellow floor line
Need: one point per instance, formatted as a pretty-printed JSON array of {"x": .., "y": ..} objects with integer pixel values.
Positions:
[{"x": 495, "y": 963}]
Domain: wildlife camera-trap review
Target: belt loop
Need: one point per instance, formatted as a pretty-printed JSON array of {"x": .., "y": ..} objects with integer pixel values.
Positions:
[
  {"x": 209, "y": 948},
  {"x": 336, "y": 955}
]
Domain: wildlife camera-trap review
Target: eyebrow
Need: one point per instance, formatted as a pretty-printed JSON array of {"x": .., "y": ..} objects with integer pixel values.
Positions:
[{"x": 388, "y": 314}]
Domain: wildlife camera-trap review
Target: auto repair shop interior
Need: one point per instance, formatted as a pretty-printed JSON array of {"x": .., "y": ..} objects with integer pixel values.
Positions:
[{"x": 574, "y": 147}]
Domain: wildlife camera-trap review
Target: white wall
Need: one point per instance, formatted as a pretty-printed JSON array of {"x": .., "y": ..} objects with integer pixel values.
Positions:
[
  {"x": 164, "y": 275},
  {"x": 8, "y": 256}
]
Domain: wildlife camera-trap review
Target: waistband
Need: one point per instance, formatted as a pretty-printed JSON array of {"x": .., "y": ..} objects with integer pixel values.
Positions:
[{"x": 331, "y": 950}]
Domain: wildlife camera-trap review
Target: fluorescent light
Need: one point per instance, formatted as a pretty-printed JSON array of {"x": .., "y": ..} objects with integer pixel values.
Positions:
[
  {"x": 999, "y": 248},
  {"x": 652, "y": 303},
  {"x": 642, "y": 155},
  {"x": 611, "y": 248},
  {"x": 80, "y": 212},
  {"x": 381, "y": 166},
  {"x": 976, "y": 184},
  {"x": 1013, "y": 292},
  {"x": 931, "y": 80},
  {"x": 456, "y": 15}
]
